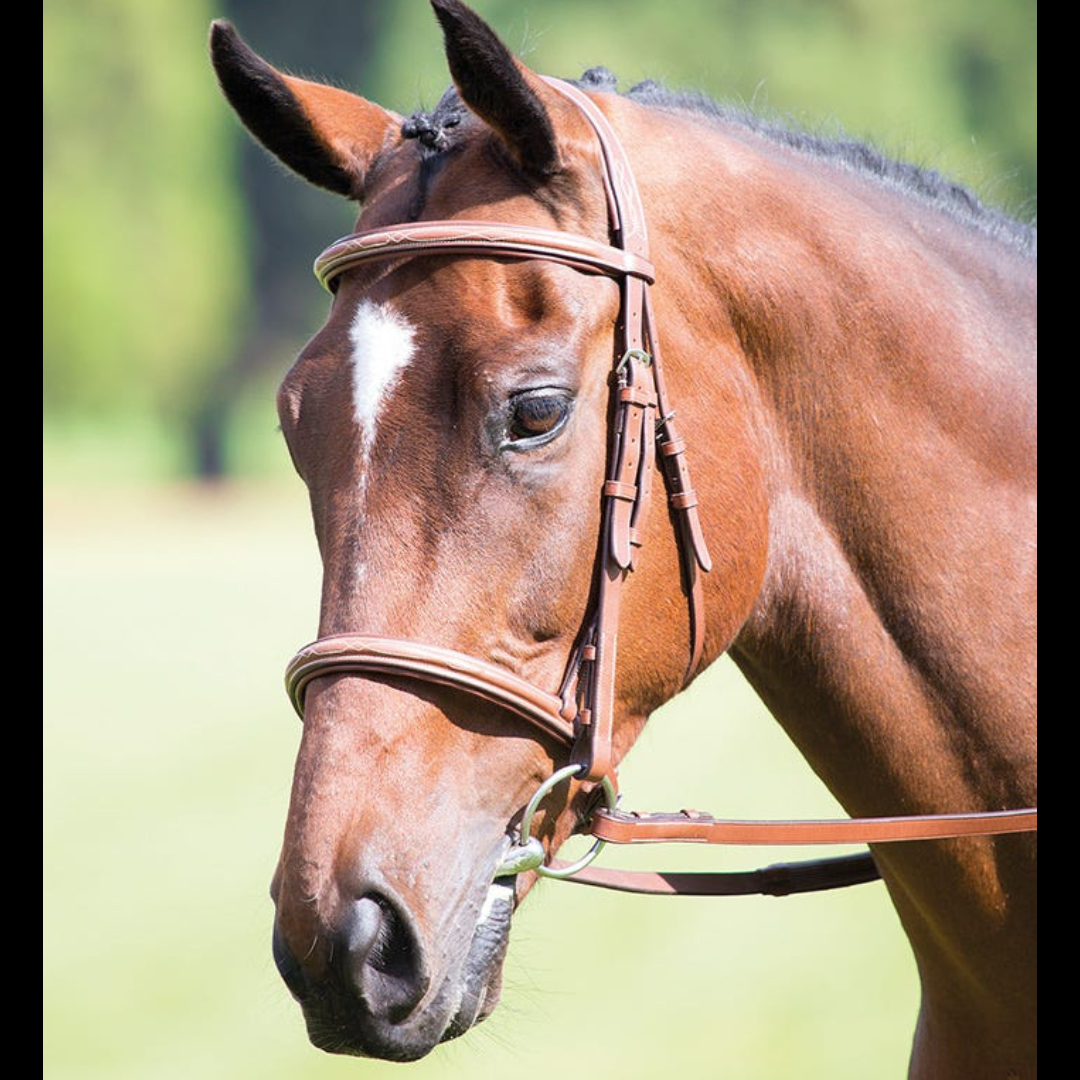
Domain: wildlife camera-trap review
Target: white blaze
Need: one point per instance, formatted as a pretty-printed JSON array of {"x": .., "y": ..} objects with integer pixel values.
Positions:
[{"x": 382, "y": 345}]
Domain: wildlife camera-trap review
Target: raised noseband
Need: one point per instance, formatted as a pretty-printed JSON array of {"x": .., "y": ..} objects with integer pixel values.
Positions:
[{"x": 359, "y": 654}]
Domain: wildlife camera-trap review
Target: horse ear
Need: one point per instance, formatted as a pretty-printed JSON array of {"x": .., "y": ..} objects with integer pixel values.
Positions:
[
  {"x": 329, "y": 136},
  {"x": 502, "y": 91}
]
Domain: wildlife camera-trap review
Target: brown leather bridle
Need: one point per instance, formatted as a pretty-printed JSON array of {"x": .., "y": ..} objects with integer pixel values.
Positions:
[{"x": 581, "y": 714}]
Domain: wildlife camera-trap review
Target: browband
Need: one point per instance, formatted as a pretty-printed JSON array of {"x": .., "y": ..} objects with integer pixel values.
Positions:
[{"x": 478, "y": 237}]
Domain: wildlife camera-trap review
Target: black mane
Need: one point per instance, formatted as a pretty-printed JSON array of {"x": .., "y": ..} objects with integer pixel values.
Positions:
[{"x": 435, "y": 129}]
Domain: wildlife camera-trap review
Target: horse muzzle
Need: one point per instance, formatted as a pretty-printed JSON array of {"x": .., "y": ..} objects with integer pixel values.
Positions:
[{"x": 372, "y": 988}]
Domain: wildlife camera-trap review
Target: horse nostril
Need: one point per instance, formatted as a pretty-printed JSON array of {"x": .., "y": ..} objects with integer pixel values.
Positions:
[{"x": 381, "y": 957}]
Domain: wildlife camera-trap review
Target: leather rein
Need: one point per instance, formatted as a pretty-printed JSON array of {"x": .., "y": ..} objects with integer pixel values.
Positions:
[{"x": 581, "y": 714}]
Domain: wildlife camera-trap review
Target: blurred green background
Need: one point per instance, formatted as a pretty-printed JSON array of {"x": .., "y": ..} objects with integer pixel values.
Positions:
[{"x": 179, "y": 570}]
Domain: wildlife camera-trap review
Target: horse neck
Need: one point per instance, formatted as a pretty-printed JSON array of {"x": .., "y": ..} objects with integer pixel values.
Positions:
[{"x": 881, "y": 354}]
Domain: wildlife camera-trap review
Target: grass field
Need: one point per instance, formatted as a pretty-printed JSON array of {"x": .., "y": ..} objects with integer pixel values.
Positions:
[{"x": 168, "y": 746}]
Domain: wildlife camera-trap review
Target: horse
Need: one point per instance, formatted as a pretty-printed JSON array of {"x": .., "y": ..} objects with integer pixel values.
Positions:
[{"x": 849, "y": 354}]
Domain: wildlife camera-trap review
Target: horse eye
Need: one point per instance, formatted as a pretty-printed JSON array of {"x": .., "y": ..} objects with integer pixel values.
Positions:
[{"x": 537, "y": 416}]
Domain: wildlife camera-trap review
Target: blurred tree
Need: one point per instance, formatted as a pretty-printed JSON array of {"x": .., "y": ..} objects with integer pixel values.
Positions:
[{"x": 134, "y": 193}]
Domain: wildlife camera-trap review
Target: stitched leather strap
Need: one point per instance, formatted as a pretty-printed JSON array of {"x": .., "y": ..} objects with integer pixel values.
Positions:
[
  {"x": 631, "y": 455},
  {"x": 477, "y": 237},
  {"x": 365, "y": 655},
  {"x": 617, "y": 827}
]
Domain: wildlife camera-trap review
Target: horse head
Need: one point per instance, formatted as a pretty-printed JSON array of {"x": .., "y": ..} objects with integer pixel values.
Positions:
[{"x": 451, "y": 423}]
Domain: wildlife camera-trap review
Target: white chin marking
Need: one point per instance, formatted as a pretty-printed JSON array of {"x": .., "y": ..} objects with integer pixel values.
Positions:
[
  {"x": 499, "y": 892},
  {"x": 382, "y": 345}
]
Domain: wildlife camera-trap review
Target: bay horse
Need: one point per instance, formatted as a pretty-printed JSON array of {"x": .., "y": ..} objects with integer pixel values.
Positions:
[{"x": 849, "y": 353}]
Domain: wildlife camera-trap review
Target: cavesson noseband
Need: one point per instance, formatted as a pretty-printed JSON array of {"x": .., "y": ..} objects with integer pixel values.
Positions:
[{"x": 581, "y": 713}]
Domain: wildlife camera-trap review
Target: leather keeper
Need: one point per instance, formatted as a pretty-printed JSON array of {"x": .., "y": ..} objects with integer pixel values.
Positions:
[
  {"x": 672, "y": 447},
  {"x": 618, "y": 489},
  {"x": 637, "y": 395}
]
